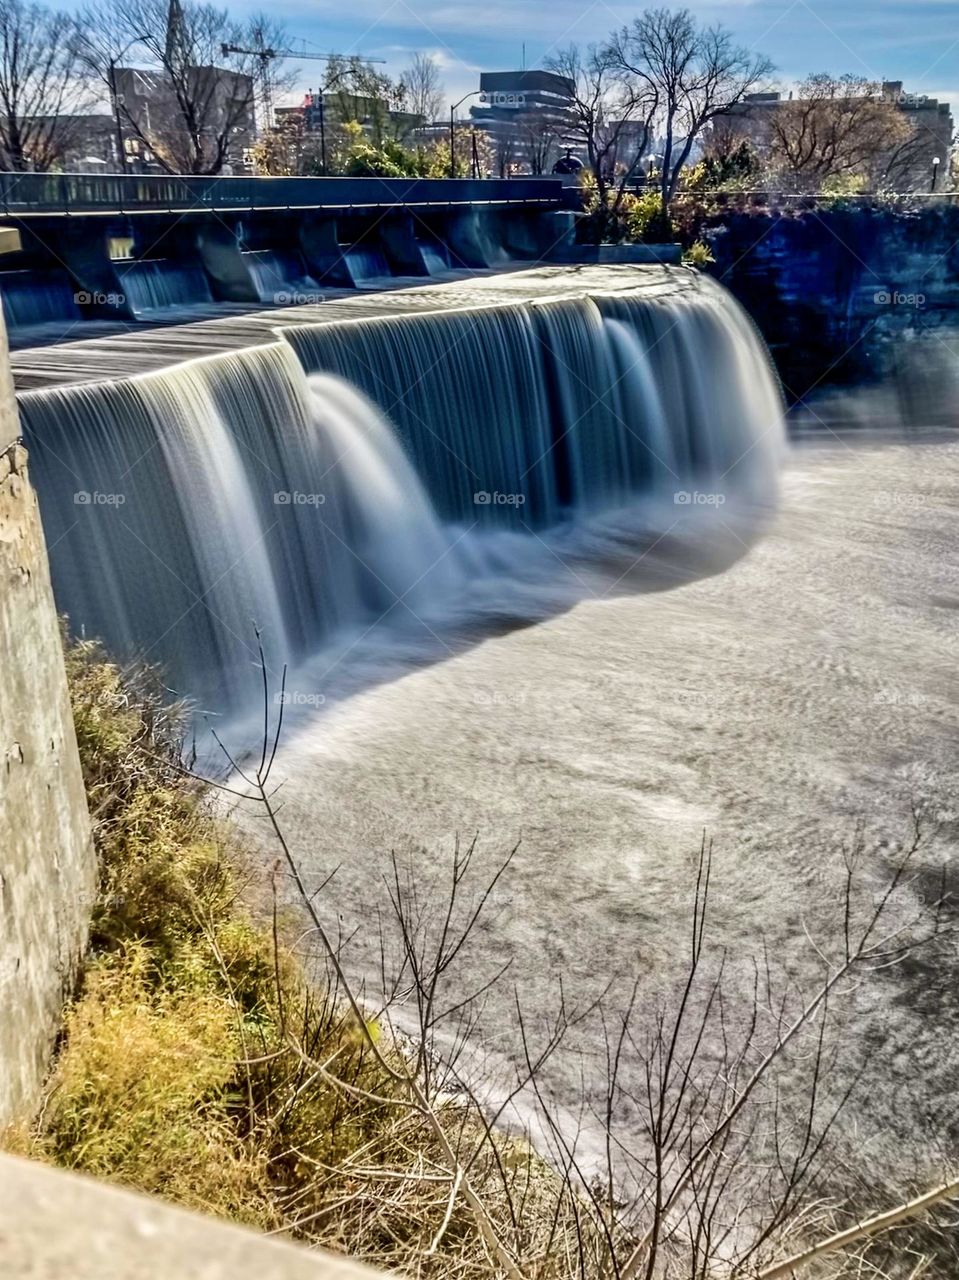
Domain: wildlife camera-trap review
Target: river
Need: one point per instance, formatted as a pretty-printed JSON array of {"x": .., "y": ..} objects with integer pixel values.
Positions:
[{"x": 804, "y": 691}]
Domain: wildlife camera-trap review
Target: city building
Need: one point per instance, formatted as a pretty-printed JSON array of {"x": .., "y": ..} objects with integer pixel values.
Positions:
[
  {"x": 79, "y": 143},
  {"x": 225, "y": 104},
  {"x": 912, "y": 166},
  {"x": 528, "y": 116},
  {"x": 926, "y": 168}
]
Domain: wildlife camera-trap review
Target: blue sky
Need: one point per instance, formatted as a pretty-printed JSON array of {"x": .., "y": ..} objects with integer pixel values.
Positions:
[{"x": 916, "y": 41}]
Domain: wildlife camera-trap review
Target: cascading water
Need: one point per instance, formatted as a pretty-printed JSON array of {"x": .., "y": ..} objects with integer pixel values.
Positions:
[
  {"x": 279, "y": 277},
  {"x": 390, "y": 469},
  {"x": 365, "y": 265},
  {"x": 160, "y": 284},
  {"x": 32, "y": 298},
  {"x": 574, "y": 404},
  {"x": 435, "y": 258}
]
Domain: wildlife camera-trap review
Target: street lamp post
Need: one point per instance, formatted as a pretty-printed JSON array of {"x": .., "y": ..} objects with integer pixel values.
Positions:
[
  {"x": 115, "y": 97},
  {"x": 453, "y": 109},
  {"x": 935, "y": 172}
]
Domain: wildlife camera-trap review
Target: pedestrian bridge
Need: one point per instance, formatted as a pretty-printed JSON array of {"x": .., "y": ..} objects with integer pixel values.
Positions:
[
  {"x": 153, "y": 248},
  {"x": 46, "y": 195}
]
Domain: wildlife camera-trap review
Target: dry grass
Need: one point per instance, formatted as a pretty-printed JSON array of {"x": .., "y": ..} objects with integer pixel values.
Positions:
[{"x": 198, "y": 1063}]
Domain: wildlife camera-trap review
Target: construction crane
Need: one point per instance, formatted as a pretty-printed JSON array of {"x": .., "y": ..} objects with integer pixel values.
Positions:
[{"x": 266, "y": 55}]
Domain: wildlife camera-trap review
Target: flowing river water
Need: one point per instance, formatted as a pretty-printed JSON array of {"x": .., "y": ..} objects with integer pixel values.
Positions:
[{"x": 807, "y": 690}]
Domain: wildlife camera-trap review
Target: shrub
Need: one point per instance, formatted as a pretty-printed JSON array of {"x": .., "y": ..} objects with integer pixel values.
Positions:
[{"x": 698, "y": 255}]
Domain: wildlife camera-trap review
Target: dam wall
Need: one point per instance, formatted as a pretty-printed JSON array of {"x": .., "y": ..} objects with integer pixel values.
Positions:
[
  {"x": 132, "y": 250},
  {"x": 408, "y": 456},
  {"x": 47, "y": 865}
]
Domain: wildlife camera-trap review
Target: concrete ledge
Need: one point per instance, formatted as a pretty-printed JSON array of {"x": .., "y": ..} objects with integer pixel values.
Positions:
[
  {"x": 60, "y": 1226},
  {"x": 612, "y": 253}
]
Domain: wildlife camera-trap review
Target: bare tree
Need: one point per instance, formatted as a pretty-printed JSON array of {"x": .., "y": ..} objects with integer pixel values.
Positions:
[
  {"x": 423, "y": 87},
  {"x": 39, "y": 88},
  {"x": 196, "y": 96},
  {"x": 539, "y": 133},
  {"x": 838, "y": 127},
  {"x": 692, "y": 74},
  {"x": 612, "y": 117}
]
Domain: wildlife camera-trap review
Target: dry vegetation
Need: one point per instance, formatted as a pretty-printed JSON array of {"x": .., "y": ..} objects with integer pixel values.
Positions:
[{"x": 202, "y": 1061}]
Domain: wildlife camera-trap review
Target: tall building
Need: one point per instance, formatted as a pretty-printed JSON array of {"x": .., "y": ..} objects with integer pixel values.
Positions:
[
  {"x": 224, "y": 103},
  {"x": 528, "y": 116},
  {"x": 154, "y": 121}
]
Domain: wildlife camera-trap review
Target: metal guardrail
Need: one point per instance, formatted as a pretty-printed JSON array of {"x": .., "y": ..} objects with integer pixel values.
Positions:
[
  {"x": 61, "y": 194},
  {"x": 764, "y": 196}
]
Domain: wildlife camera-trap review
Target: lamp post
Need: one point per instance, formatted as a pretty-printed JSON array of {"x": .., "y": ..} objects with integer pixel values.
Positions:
[
  {"x": 935, "y": 172},
  {"x": 453, "y": 109},
  {"x": 115, "y": 99}
]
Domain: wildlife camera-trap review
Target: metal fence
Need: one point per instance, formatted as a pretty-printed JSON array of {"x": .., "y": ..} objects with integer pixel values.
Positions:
[{"x": 57, "y": 194}]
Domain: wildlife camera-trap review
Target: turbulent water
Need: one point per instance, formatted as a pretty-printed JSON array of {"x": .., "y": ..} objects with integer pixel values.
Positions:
[{"x": 435, "y": 472}]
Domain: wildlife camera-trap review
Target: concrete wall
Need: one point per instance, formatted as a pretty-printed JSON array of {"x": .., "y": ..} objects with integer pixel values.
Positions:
[
  {"x": 47, "y": 865},
  {"x": 58, "y": 1226}
]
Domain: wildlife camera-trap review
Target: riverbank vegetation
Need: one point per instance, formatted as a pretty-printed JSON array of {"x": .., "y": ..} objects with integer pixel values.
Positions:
[
  {"x": 219, "y": 1054},
  {"x": 201, "y": 1063}
]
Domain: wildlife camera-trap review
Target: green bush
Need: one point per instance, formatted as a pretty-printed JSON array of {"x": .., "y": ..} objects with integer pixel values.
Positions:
[{"x": 698, "y": 255}]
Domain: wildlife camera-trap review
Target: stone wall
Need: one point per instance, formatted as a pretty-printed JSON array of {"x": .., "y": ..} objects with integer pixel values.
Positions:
[
  {"x": 838, "y": 292},
  {"x": 47, "y": 865}
]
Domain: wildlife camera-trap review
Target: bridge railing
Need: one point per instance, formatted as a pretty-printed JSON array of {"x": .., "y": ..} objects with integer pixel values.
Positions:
[{"x": 70, "y": 193}]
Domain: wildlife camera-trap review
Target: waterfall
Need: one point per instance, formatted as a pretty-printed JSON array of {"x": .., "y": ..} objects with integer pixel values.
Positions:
[
  {"x": 38, "y": 297},
  {"x": 181, "y": 508},
  {"x": 574, "y": 403},
  {"x": 366, "y": 264},
  {"x": 160, "y": 284},
  {"x": 435, "y": 258},
  {"x": 280, "y": 277},
  {"x": 385, "y": 468}
]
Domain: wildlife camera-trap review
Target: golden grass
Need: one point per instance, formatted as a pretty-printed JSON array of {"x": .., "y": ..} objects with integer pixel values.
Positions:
[{"x": 188, "y": 1061}]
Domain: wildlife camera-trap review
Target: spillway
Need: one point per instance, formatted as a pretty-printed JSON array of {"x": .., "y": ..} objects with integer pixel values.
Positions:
[{"x": 349, "y": 474}]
